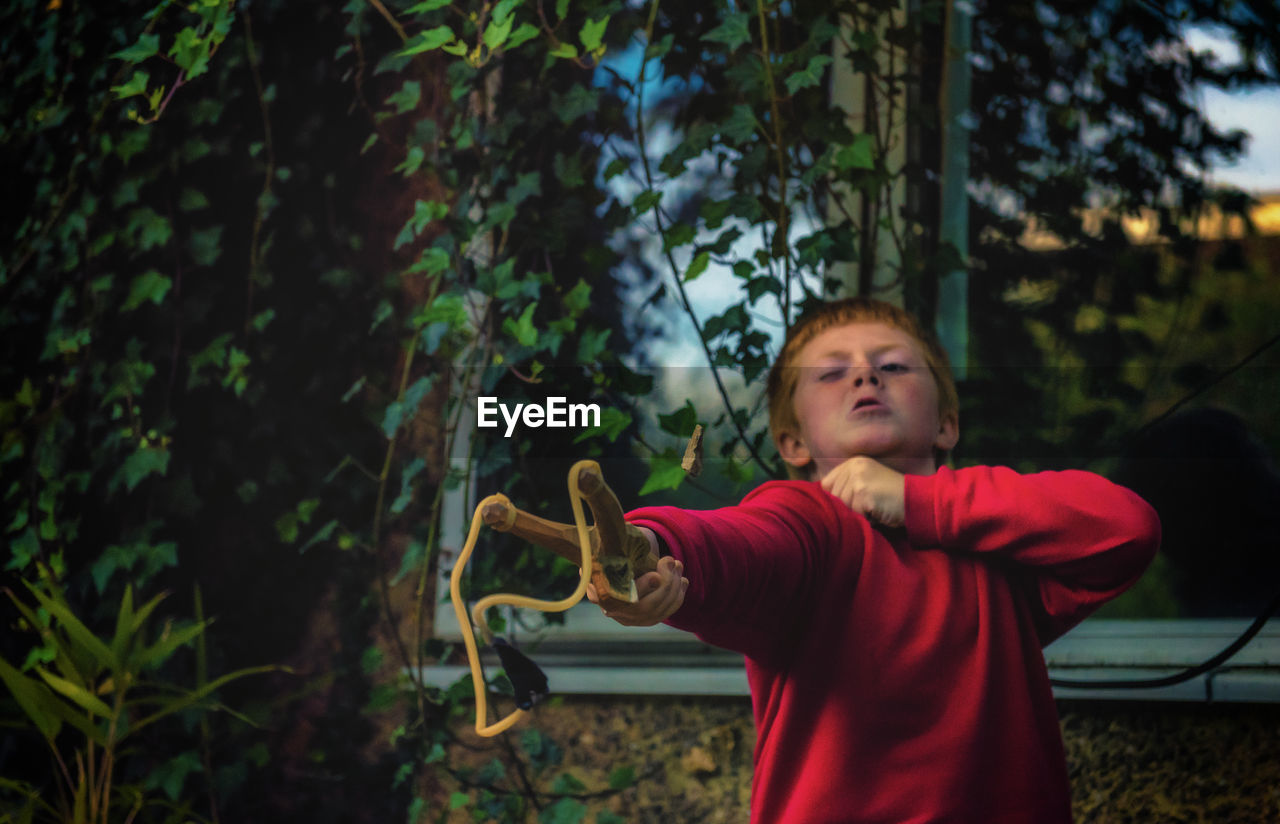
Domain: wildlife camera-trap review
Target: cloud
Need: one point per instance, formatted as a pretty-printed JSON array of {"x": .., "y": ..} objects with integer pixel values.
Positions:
[{"x": 1256, "y": 112}]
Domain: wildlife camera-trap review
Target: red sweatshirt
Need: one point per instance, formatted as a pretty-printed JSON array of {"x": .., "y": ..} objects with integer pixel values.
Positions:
[{"x": 896, "y": 675}]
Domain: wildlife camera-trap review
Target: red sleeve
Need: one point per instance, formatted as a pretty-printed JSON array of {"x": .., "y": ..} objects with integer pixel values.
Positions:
[
  {"x": 1080, "y": 539},
  {"x": 753, "y": 568}
]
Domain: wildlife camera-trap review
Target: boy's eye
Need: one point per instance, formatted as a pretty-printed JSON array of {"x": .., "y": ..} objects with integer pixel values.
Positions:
[
  {"x": 893, "y": 366},
  {"x": 828, "y": 375}
]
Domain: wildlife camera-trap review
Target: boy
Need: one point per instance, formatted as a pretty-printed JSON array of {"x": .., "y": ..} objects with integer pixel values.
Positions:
[{"x": 892, "y": 612}]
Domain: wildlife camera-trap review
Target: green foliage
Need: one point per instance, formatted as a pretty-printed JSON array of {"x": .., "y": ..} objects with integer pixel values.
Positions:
[{"x": 103, "y": 692}]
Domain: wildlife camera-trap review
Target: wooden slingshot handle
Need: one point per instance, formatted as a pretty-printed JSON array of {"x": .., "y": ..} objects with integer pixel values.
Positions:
[{"x": 619, "y": 552}]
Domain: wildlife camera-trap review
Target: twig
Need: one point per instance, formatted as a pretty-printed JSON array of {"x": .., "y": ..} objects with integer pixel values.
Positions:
[
  {"x": 782, "y": 221},
  {"x": 390, "y": 18}
]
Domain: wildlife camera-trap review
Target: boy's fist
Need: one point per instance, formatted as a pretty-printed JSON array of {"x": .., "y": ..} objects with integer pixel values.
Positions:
[
  {"x": 871, "y": 488},
  {"x": 661, "y": 594}
]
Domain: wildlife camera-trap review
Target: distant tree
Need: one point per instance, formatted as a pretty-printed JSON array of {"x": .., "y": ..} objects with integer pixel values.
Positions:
[{"x": 1092, "y": 108}]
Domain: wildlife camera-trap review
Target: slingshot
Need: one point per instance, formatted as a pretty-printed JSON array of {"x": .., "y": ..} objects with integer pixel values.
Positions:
[{"x": 611, "y": 555}]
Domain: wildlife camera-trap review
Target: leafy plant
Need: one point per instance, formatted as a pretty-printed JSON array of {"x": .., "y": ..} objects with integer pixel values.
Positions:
[{"x": 89, "y": 698}]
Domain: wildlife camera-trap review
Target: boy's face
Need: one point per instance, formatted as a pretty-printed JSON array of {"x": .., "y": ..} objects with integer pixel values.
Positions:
[{"x": 866, "y": 389}]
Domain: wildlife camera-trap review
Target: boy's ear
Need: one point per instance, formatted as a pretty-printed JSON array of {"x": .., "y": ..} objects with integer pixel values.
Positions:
[
  {"x": 793, "y": 450},
  {"x": 948, "y": 433}
]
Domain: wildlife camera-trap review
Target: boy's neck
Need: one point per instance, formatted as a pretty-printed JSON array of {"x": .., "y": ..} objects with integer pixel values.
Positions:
[{"x": 907, "y": 466}]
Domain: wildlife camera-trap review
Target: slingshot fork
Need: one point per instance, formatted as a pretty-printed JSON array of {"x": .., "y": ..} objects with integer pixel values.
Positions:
[{"x": 619, "y": 552}]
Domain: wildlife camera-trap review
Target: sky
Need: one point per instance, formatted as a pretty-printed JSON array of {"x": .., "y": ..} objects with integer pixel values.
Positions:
[{"x": 1257, "y": 112}]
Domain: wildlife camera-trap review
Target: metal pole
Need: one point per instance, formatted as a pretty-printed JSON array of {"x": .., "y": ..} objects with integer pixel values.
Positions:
[{"x": 953, "y": 286}]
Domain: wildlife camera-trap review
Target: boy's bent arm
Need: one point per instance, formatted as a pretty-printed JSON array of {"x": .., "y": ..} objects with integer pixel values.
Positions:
[
  {"x": 1084, "y": 538},
  {"x": 752, "y": 568}
]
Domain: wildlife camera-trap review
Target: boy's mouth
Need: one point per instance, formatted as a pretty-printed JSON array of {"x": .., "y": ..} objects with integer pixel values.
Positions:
[{"x": 866, "y": 403}]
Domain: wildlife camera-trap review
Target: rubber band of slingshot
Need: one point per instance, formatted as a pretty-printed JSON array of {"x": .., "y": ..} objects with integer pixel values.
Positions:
[{"x": 507, "y": 599}]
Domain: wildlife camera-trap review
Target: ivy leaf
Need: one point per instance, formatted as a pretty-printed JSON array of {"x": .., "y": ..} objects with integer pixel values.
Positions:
[
  {"x": 431, "y": 261},
  {"x": 523, "y": 330},
  {"x": 567, "y": 783},
  {"x": 665, "y": 472},
  {"x": 564, "y": 811},
  {"x": 147, "y": 460},
  {"x": 697, "y": 266},
  {"x": 612, "y": 424},
  {"x": 764, "y": 285},
  {"x": 153, "y": 228},
  {"x": 191, "y": 52},
  {"x": 136, "y": 85},
  {"x": 406, "y": 407},
  {"x": 380, "y": 314},
  {"x": 503, "y": 10},
  {"x": 566, "y": 50},
  {"x": 575, "y": 103},
  {"x": 412, "y": 161},
  {"x": 592, "y": 34},
  {"x": 810, "y": 75},
  {"x": 568, "y": 170},
  {"x": 741, "y": 124},
  {"x": 592, "y": 344},
  {"x": 354, "y": 388},
  {"x": 262, "y": 320},
  {"x": 621, "y": 778},
  {"x": 428, "y": 5},
  {"x": 170, "y": 776},
  {"x": 147, "y": 46},
  {"x": 424, "y": 212},
  {"x": 725, "y": 241},
  {"x": 856, "y": 155},
  {"x": 149, "y": 286},
  {"x": 681, "y": 422},
  {"x": 734, "y": 319},
  {"x": 526, "y": 32},
  {"x": 616, "y": 167},
  {"x": 215, "y": 355},
  {"x": 660, "y": 48},
  {"x": 27, "y": 395},
  {"x": 526, "y": 186},
  {"x": 733, "y": 32},
  {"x": 132, "y": 143},
  {"x": 322, "y": 534},
  {"x": 192, "y": 200},
  {"x": 428, "y": 40},
  {"x": 646, "y": 200},
  {"x": 24, "y": 549},
  {"x": 578, "y": 298},
  {"x": 407, "y": 98},
  {"x": 205, "y": 246},
  {"x": 678, "y": 235},
  {"x": 496, "y": 33}
]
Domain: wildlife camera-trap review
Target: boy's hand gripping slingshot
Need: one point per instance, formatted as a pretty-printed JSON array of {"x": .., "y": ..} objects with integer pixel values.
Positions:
[{"x": 611, "y": 554}]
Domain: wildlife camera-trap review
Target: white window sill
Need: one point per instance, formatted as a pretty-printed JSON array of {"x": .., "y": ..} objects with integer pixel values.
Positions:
[{"x": 591, "y": 655}]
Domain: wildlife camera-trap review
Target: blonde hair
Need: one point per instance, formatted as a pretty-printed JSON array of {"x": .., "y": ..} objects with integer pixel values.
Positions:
[{"x": 781, "y": 386}]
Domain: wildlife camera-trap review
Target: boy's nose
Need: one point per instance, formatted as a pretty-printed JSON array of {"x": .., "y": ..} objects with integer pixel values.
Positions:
[{"x": 865, "y": 375}]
